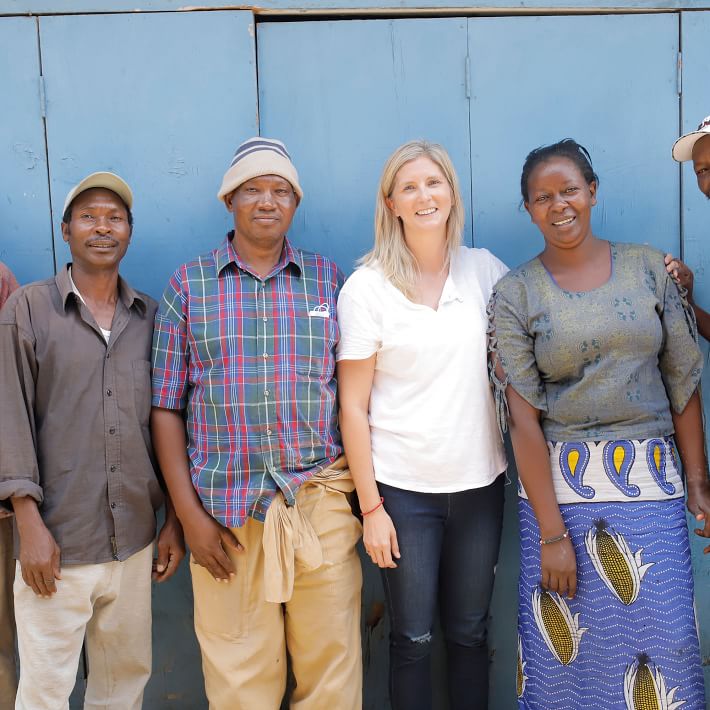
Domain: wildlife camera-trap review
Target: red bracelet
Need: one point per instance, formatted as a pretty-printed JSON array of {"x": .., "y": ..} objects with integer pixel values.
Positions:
[{"x": 372, "y": 510}]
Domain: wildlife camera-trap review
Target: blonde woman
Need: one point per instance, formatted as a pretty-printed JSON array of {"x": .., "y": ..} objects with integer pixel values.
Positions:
[{"x": 419, "y": 427}]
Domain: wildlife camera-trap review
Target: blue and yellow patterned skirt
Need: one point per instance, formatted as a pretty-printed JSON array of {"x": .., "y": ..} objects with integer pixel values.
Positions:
[{"x": 628, "y": 641}]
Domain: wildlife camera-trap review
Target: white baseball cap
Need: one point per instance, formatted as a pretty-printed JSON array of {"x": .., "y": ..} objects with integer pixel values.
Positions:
[{"x": 683, "y": 147}]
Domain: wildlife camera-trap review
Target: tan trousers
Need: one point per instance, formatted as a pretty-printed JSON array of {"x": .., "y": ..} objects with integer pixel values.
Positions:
[
  {"x": 8, "y": 675},
  {"x": 244, "y": 639},
  {"x": 108, "y": 602}
]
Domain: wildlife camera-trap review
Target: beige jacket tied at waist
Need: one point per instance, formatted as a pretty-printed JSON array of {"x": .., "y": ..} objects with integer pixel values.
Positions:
[{"x": 289, "y": 536}]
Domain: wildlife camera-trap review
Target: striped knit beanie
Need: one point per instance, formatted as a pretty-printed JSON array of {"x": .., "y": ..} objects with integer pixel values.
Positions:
[{"x": 255, "y": 157}]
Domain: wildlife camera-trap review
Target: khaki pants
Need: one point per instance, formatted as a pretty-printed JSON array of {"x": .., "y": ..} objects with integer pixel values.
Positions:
[
  {"x": 244, "y": 639},
  {"x": 8, "y": 676},
  {"x": 110, "y": 603}
]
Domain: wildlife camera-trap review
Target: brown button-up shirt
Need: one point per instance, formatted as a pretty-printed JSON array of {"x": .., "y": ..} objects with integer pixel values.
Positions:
[{"x": 74, "y": 418}]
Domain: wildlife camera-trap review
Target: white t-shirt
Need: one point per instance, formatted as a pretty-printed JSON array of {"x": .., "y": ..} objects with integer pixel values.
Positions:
[
  {"x": 104, "y": 332},
  {"x": 432, "y": 418}
]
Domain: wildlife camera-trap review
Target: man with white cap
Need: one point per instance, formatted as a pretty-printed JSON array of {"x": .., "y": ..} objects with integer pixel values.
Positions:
[
  {"x": 245, "y": 428},
  {"x": 693, "y": 146},
  {"x": 76, "y": 463}
]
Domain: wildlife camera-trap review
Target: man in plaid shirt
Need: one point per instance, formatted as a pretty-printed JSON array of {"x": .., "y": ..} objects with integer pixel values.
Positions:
[{"x": 245, "y": 428}]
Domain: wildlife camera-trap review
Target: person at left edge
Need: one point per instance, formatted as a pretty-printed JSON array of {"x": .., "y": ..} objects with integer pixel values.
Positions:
[
  {"x": 8, "y": 673},
  {"x": 245, "y": 428},
  {"x": 695, "y": 147},
  {"x": 77, "y": 465}
]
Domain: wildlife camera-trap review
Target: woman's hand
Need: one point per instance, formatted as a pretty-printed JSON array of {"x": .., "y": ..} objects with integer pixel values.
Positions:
[
  {"x": 380, "y": 538},
  {"x": 558, "y": 565},
  {"x": 699, "y": 506}
]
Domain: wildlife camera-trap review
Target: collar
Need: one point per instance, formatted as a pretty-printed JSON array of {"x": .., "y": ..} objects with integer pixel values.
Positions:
[
  {"x": 451, "y": 292},
  {"x": 126, "y": 293},
  {"x": 226, "y": 254}
]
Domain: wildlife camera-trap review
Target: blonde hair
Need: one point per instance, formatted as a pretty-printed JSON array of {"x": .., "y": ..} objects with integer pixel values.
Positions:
[{"x": 391, "y": 253}]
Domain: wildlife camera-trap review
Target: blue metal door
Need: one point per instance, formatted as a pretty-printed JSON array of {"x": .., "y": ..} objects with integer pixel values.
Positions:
[
  {"x": 161, "y": 99},
  {"x": 25, "y": 234},
  {"x": 343, "y": 95},
  {"x": 609, "y": 82}
]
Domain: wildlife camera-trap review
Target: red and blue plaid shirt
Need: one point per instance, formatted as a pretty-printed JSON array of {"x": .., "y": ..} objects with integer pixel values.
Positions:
[{"x": 252, "y": 363}]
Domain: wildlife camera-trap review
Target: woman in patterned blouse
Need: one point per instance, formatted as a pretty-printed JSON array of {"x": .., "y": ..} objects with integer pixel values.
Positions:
[{"x": 595, "y": 368}]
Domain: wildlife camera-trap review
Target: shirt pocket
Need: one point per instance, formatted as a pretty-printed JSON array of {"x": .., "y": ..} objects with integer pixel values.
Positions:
[
  {"x": 316, "y": 338},
  {"x": 141, "y": 390}
]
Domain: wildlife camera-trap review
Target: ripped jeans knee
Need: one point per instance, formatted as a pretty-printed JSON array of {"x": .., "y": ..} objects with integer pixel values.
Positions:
[{"x": 409, "y": 648}]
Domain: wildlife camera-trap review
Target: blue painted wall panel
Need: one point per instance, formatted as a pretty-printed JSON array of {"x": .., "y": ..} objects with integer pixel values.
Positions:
[
  {"x": 161, "y": 99},
  {"x": 696, "y": 251},
  {"x": 25, "y": 232},
  {"x": 343, "y": 96},
  {"x": 607, "y": 81}
]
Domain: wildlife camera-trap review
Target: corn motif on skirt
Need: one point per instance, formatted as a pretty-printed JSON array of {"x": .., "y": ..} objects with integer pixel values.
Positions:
[{"x": 628, "y": 640}]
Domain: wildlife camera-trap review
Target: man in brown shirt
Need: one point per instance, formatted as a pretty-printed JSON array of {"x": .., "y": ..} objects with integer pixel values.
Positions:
[
  {"x": 8, "y": 676},
  {"x": 77, "y": 465}
]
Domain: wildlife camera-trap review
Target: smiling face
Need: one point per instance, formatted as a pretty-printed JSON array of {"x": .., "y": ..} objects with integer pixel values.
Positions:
[
  {"x": 421, "y": 196},
  {"x": 560, "y": 202},
  {"x": 263, "y": 208},
  {"x": 98, "y": 232},
  {"x": 701, "y": 164}
]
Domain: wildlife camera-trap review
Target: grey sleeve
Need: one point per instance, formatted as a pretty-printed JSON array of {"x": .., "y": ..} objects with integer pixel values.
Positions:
[
  {"x": 680, "y": 360},
  {"x": 512, "y": 345}
]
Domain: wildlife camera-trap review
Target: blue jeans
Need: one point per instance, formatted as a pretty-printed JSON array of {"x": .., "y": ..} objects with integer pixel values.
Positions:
[{"x": 449, "y": 546}]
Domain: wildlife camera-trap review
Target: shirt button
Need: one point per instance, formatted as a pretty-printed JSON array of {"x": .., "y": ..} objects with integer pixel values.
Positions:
[
  {"x": 113, "y": 505},
  {"x": 265, "y": 320},
  {"x": 113, "y": 468},
  {"x": 108, "y": 355},
  {"x": 268, "y": 431},
  {"x": 108, "y": 393},
  {"x": 266, "y": 393},
  {"x": 112, "y": 430},
  {"x": 266, "y": 356}
]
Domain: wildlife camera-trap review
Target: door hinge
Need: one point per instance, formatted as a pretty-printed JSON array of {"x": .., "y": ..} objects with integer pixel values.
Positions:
[
  {"x": 679, "y": 74},
  {"x": 42, "y": 98},
  {"x": 467, "y": 76}
]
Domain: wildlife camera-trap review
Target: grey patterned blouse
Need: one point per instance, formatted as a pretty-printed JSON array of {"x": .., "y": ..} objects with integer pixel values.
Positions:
[{"x": 601, "y": 364}]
